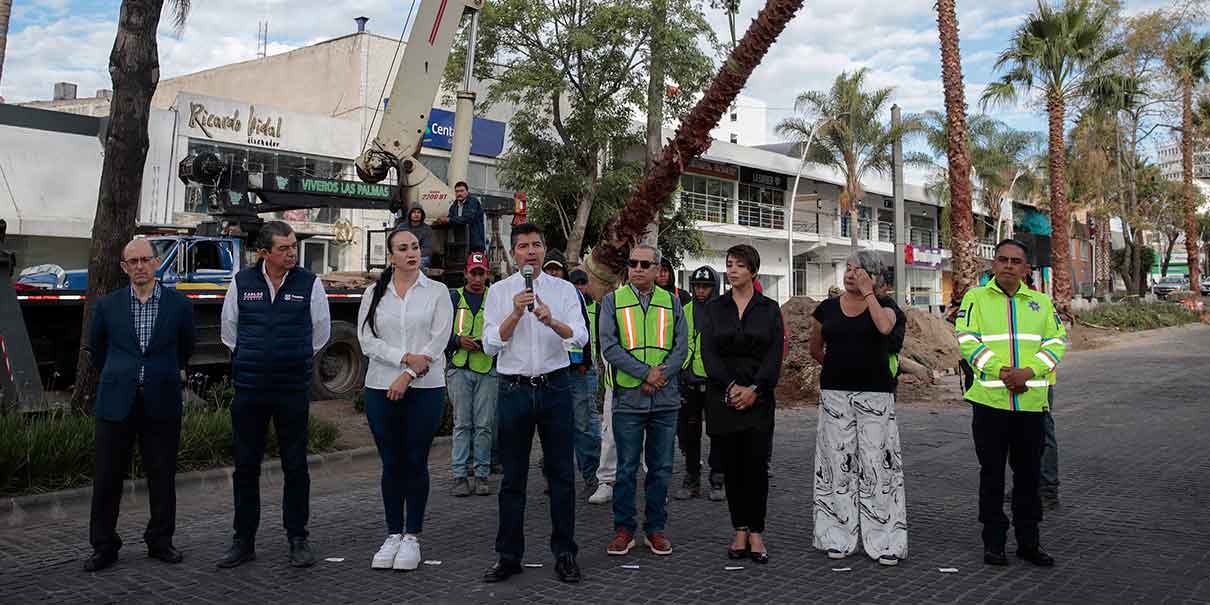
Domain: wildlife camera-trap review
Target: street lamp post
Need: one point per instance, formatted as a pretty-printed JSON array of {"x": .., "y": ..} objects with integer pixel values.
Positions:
[{"x": 802, "y": 162}]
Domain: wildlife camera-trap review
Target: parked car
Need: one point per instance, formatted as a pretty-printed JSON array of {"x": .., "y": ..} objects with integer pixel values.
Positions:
[
  {"x": 1170, "y": 284},
  {"x": 1206, "y": 286}
]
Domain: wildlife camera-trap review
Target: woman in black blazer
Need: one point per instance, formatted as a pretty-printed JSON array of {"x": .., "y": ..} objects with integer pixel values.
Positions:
[{"x": 742, "y": 338}]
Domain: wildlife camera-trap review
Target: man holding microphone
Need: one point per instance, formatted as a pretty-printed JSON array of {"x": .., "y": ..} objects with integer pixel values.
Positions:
[{"x": 532, "y": 320}]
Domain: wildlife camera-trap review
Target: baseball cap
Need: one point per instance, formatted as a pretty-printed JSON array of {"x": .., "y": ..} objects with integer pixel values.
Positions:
[
  {"x": 578, "y": 277},
  {"x": 554, "y": 262},
  {"x": 476, "y": 260}
]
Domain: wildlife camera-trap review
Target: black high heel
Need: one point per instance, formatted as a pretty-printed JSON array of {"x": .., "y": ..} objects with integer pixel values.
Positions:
[{"x": 759, "y": 557}]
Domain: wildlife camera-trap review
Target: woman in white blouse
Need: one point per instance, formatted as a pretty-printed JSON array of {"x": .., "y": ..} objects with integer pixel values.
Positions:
[{"x": 404, "y": 325}]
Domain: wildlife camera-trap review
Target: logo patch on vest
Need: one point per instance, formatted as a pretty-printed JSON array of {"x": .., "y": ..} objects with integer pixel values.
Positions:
[
  {"x": 255, "y": 295},
  {"x": 292, "y": 297},
  {"x": 1034, "y": 306}
]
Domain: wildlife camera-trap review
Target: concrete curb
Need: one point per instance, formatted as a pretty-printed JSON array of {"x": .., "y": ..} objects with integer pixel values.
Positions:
[{"x": 34, "y": 502}]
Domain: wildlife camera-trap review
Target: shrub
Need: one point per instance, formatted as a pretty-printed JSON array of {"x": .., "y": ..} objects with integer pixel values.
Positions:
[
  {"x": 47, "y": 452},
  {"x": 1133, "y": 316}
]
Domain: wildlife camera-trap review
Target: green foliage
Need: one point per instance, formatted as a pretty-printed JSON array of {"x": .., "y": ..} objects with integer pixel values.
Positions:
[
  {"x": 54, "y": 451},
  {"x": 1127, "y": 316},
  {"x": 679, "y": 238},
  {"x": 577, "y": 72},
  {"x": 1118, "y": 260}
]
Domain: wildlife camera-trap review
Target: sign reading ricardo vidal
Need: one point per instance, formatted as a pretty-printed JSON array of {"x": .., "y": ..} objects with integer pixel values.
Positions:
[{"x": 262, "y": 130}]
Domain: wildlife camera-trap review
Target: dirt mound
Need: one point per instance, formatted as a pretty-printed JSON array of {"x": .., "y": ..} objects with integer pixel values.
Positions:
[{"x": 929, "y": 342}]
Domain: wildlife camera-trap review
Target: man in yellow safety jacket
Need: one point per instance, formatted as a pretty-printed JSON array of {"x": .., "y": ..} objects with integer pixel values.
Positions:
[
  {"x": 703, "y": 282},
  {"x": 471, "y": 383},
  {"x": 1013, "y": 339}
]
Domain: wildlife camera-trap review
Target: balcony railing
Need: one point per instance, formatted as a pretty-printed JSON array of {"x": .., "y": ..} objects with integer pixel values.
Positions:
[
  {"x": 768, "y": 216},
  {"x": 923, "y": 238},
  {"x": 705, "y": 208},
  {"x": 863, "y": 231}
]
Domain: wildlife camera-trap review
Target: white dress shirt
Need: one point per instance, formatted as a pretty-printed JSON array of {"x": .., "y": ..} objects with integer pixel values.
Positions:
[
  {"x": 321, "y": 316},
  {"x": 419, "y": 323},
  {"x": 534, "y": 349}
]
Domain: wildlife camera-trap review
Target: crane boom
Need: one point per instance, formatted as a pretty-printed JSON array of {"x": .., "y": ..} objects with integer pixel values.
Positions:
[{"x": 402, "y": 129}]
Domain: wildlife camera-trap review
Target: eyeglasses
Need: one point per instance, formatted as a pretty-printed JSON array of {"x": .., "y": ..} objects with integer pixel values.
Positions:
[
  {"x": 139, "y": 260},
  {"x": 635, "y": 264}
]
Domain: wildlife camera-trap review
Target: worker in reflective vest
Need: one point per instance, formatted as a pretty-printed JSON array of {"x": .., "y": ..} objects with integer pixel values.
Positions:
[
  {"x": 1013, "y": 339},
  {"x": 471, "y": 383},
  {"x": 584, "y": 383},
  {"x": 644, "y": 337},
  {"x": 704, "y": 285}
]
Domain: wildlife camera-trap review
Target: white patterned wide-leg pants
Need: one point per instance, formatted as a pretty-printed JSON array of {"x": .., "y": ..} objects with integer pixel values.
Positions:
[{"x": 859, "y": 475}]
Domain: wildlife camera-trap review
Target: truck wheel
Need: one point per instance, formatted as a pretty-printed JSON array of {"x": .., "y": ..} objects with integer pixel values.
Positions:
[{"x": 340, "y": 368}]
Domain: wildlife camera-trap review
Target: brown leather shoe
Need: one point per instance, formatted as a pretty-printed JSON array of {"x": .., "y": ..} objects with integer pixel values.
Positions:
[
  {"x": 659, "y": 543},
  {"x": 621, "y": 543}
]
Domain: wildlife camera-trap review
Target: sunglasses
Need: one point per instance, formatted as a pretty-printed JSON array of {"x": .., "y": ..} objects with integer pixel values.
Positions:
[{"x": 635, "y": 264}]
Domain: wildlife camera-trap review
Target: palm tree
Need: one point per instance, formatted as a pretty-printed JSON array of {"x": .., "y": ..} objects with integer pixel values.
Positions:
[
  {"x": 855, "y": 145},
  {"x": 935, "y": 125},
  {"x": 1060, "y": 52},
  {"x": 6, "y": 11},
  {"x": 1188, "y": 58},
  {"x": 1006, "y": 166},
  {"x": 134, "y": 66},
  {"x": 691, "y": 140},
  {"x": 961, "y": 218}
]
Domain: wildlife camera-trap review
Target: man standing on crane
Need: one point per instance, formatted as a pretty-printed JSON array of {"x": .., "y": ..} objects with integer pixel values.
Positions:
[{"x": 467, "y": 211}]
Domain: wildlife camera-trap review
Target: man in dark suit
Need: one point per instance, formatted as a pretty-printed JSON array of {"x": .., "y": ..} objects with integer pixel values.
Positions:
[{"x": 140, "y": 340}]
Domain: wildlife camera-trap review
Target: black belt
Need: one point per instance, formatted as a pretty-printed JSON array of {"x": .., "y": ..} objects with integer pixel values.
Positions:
[{"x": 533, "y": 381}]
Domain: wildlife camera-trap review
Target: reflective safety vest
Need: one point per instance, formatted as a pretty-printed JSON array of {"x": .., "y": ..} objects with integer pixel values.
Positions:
[
  {"x": 647, "y": 335},
  {"x": 470, "y": 324},
  {"x": 590, "y": 305},
  {"x": 1022, "y": 331},
  {"x": 694, "y": 360}
]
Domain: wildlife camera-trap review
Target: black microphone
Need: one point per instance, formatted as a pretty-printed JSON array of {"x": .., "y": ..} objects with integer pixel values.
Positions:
[{"x": 528, "y": 273}]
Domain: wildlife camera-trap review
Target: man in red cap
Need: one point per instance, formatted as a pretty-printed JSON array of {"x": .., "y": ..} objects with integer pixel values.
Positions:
[{"x": 471, "y": 383}]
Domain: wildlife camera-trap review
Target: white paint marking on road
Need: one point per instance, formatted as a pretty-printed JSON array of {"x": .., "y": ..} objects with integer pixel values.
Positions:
[
  {"x": 842, "y": 569},
  {"x": 733, "y": 567},
  {"x": 335, "y": 559},
  {"x": 533, "y": 565},
  {"x": 630, "y": 567}
]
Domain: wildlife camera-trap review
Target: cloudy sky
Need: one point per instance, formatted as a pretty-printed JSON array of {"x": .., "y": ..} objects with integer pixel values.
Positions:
[{"x": 70, "y": 40}]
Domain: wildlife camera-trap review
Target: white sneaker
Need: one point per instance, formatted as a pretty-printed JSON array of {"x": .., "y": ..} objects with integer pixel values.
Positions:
[
  {"x": 603, "y": 494},
  {"x": 385, "y": 557},
  {"x": 408, "y": 557}
]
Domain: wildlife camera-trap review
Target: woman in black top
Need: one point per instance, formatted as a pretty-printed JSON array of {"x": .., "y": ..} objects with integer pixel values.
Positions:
[
  {"x": 742, "y": 339},
  {"x": 858, "y": 462}
]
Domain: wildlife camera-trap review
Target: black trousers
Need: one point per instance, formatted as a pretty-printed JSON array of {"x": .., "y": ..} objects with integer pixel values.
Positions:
[
  {"x": 689, "y": 433},
  {"x": 745, "y": 458},
  {"x": 158, "y": 439},
  {"x": 1017, "y": 437},
  {"x": 250, "y": 417}
]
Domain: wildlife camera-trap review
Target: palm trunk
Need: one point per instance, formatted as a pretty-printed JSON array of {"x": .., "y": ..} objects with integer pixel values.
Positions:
[
  {"x": 691, "y": 140},
  {"x": 854, "y": 225},
  {"x": 135, "y": 69},
  {"x": 6, "y": 11},
  {"x": 1060, "y": 217},
  {"x": 962, "y": 220},
  {"x": 1191, "y": 227}
]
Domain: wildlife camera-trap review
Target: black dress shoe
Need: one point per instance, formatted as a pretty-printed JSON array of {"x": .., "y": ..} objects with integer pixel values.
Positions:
[
  {"x": 166, "y": 553},
  {"x": 100, "y": 560},
  {"x": 567, "y": 569},
  {"x": 759, "y": 557},
  {"x": 237, "y": 554},
  {"x": 300, "y": 553},
  {"x": 501, "y": 571},
  {"x": 1037, "y": 556},
  {"x": 995, "y": 557},
  {"x": 736, "y": 554}
]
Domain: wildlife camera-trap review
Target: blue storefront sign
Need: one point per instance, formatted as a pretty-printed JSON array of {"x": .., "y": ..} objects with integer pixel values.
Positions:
[{"x": 487, "y": 136}]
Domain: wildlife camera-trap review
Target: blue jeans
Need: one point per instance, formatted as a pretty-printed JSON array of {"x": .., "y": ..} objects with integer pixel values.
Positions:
[
  {"x": 403, "y": 431},
  {"x": 1048, "y": 483},
  {"x": 588, "y": 424},
  {"x": 520, "y": 409},
  {"x": 628, "y": 432},
  {"x": 473, "y": 396}
]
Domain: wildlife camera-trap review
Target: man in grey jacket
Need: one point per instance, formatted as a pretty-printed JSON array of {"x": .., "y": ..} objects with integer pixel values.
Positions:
[{"x": 644, "y": 337}]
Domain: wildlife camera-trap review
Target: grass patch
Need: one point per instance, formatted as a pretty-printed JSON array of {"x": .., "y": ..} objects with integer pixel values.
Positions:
[
  {"x": 1138, "y": 316},
  {"x": 48, "y": 452}
]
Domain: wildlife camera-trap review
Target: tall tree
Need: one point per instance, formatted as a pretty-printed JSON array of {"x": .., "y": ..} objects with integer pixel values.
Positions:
[
  {"x": 134, "y": 67},
  {"x": 962, "y": 234},
  {"x": 731, "y": 7},
  {"x": 1060, "y": 52},
  {"x": 691, "y": 140},
  {"x": 6, "y": 11},
  {"x": 854, "y": 139},
  {"x": 1188, "y": 58},
  {"x": 578, "y": 72}
]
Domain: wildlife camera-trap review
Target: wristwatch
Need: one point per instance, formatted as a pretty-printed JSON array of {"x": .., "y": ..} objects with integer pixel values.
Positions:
[{"x": 412, "y": 372}]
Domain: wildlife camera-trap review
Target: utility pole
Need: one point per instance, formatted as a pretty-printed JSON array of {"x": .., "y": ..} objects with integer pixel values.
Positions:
[
  {"x": 902, "y": 292},
  {"x": 464, "y": 111}
]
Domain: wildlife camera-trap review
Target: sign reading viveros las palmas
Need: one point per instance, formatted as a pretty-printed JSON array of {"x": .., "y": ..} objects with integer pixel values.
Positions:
[{"x": 341, "y": 188}]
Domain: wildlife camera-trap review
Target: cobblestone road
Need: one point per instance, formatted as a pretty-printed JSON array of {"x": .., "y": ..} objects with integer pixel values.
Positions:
[{"x": 1133, "y": 527}]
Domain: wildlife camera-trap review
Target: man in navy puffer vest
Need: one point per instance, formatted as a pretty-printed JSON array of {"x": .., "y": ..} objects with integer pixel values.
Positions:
[{"x": 275, "y": 319}]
